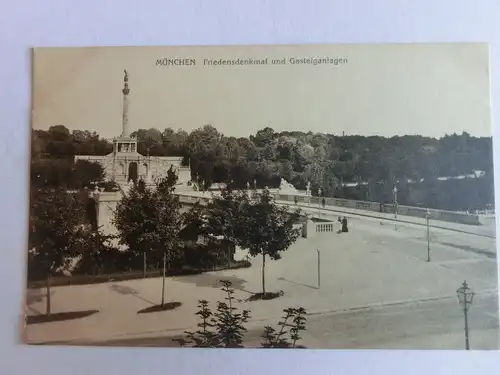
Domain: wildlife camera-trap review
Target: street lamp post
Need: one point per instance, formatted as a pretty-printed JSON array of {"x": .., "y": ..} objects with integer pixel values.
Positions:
[
  {"x": 427, "y": 217},
  {"x": 465, "y": 298},
  {"x": 163, "y": 279},
  {"x": 395, "y": 191},
  {"x": 308, "y": 193},
  {"x": 319, "y": 201},
  {"x": 319, "y": 268}
]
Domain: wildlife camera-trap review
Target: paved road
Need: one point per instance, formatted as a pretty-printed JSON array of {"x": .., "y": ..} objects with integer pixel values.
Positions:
[
  {"x": 472, "y": 230},
  {"x": 427, "y": 325}
]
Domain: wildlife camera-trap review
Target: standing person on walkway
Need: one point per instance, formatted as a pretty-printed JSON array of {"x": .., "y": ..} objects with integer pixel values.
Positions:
[
  {"x": 323, "y": 202},
  {"x": 344, "y": 225}
]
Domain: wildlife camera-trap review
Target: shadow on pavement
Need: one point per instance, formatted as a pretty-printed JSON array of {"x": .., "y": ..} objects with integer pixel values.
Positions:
[
  {"x": 471, "y": 249},
  {"x": 296, "y": 283},
  {"x": 165, "y": 307},
  {"x": 213, "y": 281},
  {"x": 128, "y": 291},
  {"x": 58, "y": 317},
  {"x": 123, "y": 289},
  {"x": 252, "y": 339}
]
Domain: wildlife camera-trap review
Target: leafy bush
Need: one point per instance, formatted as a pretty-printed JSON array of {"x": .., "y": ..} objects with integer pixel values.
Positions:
[
  {"x": 225, "y": 328},
  {"x": 295, "y": 321}
]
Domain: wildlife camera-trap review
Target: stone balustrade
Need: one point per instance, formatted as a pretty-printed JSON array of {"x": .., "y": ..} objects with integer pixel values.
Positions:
[
  {"x": 324, "y": 227},
  {"x": 449, "y": 216}
]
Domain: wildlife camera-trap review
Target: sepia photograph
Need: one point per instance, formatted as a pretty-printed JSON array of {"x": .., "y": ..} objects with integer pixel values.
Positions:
[{"x": 272, "y": 196}]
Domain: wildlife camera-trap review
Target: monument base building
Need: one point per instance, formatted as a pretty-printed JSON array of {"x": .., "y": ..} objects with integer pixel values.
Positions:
[{"x": 125, "y": 164}]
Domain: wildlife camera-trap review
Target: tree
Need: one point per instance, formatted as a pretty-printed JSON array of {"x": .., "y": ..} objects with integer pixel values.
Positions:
[
  {"x": 149, "y": 221},
  {"x": 269, "y": 152},
  {"x": 51, "y": 173},
  {"x": 169, "y": 222},
  {"x": 64, "y": 172},
  {"x": 89, "y": 143},
  {"x": 95, "y": 250},
  {"x": 206, "y": 173},
  {"x": 59, "y": 143},
  {"x": 315, "y": 173},
  {"x": 249, "y": 148},
  {"x": 87, "y": 173},
  {"x": 59, "y": 133},
  {"x": 269, "y": 229},
  {"x": 149, "y": 141},
  {"x": 286, "y": 169},
  {"x": 263, "y": 137},
  {"x": 54, "y": 219},
  {"x": 192, "y": 223},
  {"x": 224, "y": 218},
  {"x": 203, "y": 141},
  {"x": 174, "y": 142},
  {"x": 136, "y": 218}
]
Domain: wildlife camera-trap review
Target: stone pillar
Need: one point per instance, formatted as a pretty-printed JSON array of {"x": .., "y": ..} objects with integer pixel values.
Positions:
[
  {"x": 126, "y": 91},
  {"x": 311, "y": 229}
]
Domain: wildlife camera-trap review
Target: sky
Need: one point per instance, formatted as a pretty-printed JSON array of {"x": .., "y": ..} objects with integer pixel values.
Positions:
[{"x": 394, "y": 89}]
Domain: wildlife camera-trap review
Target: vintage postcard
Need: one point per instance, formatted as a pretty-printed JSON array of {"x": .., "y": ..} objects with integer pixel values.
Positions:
[{"x": 302, "y": 196}]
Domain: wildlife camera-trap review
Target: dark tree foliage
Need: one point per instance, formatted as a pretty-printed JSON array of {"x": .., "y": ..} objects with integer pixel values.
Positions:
[
  {"x": 95, "y": 251},
  {"x": 224, "y": 218},
  {"x": 136, "y": 219},
  {"x": 169, "y": 218},
  {"x": 192, "y": 223},
  {"x": 326, "y": 160},
  {"x": 53, "y": 173}
]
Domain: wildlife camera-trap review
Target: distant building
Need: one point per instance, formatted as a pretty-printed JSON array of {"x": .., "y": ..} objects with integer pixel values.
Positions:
[{"x": 125, "y": 163}]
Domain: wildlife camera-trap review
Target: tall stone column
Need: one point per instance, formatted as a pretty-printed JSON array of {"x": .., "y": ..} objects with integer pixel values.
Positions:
[{"x": 126, "y": 91}]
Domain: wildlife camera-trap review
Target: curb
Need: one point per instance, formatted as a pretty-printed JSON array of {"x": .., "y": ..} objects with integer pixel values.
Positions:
[{"x": 381, "y": 305}]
